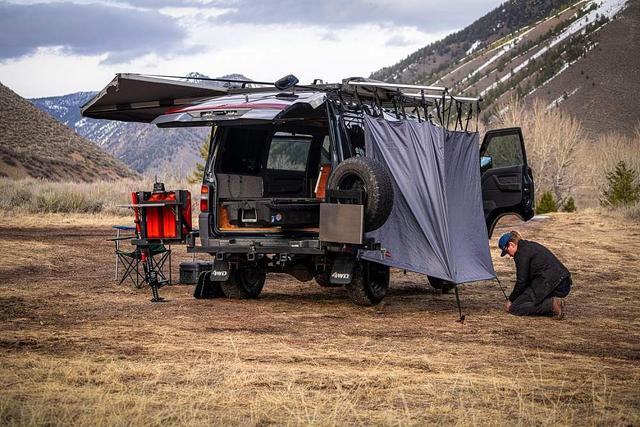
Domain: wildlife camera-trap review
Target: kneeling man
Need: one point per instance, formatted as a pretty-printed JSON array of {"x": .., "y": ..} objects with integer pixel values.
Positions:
[{"x": 542, "y": 281}]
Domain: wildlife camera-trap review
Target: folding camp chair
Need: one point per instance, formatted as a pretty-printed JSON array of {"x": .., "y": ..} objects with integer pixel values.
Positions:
[{"x": 131, "y": 256}]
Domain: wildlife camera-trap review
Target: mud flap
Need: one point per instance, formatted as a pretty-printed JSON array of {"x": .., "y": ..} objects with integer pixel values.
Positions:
[
  {"x": 342, "y": 271},
  {"x": 205, "y": 288},
  {"x": 220, "y": 271}
]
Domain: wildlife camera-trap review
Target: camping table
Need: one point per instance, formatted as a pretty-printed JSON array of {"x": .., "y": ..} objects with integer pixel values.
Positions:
[{"x": 170, "y": 203}]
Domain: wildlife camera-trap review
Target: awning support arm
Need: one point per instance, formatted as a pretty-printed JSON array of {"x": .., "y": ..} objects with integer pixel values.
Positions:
[{"x": 462, "y": 316}]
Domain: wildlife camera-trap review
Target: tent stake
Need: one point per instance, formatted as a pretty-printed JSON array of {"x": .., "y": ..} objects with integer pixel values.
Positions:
[{"x": 462, "y": 316}]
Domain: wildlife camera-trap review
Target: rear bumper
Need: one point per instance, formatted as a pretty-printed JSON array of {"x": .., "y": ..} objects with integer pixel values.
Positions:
[
  {"x": 259, "y": 246},
  {"x": 264, "y": 244},
  {"x": 250, "y": 244}
]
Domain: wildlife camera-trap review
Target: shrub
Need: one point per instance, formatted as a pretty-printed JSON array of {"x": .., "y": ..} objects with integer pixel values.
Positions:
[
  {"x": 546, "y": 204},
  {"x": 553, "y": 141},
  {"x": 42, "y": 196},
  {"x": 622, "y": 188},
  {"x": 198, "y": 172},
  {"x": 50, "y": 201},
  {"x": 14, "y": 196},
  {"x": 569, "y": 205},
  {"x": 632, "y": 212}
]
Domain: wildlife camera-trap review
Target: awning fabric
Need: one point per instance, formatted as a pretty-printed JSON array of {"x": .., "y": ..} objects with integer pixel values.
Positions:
[
  {"x": 138, "y": 98},
  {"x": 437, "y": 223}
]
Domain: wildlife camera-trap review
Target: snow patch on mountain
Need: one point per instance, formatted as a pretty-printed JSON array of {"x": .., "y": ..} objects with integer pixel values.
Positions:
[
  {"x": 607, "y": 8},
  {"x": 473, "y": 47}
]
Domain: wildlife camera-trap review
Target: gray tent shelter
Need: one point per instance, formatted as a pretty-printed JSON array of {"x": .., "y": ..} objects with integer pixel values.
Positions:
[{"x": 437, "y": 225}]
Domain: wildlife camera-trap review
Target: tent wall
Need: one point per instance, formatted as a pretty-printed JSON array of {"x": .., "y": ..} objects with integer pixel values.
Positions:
[{"x": 437, "y": 224}]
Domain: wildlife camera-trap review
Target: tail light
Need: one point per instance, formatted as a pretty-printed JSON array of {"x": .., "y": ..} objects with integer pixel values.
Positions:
[{"x": 204, "y": 198}]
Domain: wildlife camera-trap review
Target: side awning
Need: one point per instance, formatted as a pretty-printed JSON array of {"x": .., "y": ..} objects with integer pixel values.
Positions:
[{"x": 139, "y": 98}]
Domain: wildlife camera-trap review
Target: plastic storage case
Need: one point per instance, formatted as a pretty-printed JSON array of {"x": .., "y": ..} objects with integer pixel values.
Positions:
[{"x": 189, "y": 271}]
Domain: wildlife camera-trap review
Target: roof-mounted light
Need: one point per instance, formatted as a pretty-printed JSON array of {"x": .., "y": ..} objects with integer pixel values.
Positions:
[{"x": 286, "y": 82}]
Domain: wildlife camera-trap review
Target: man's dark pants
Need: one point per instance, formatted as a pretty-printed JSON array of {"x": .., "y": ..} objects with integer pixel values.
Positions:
[{"x": 525, "y": 304}]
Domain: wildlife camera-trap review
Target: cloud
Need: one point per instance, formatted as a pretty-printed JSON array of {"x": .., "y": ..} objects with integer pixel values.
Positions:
[
  {"x": 427, "y": 15},
  {"x": 156, "y": 4},
  {"x": 89, "y": 29},
  {"x": 399, "y": 41},
  {"x": 330, "y": 36}
]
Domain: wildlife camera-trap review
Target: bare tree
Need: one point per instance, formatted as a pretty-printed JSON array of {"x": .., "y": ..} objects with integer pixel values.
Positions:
[{"x": 552, "y": 140}]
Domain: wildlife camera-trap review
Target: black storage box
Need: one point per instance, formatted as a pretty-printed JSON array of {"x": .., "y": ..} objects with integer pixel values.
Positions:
[
  {"x": 274, "y": 213},
  {"x": 189, "y": 271}
]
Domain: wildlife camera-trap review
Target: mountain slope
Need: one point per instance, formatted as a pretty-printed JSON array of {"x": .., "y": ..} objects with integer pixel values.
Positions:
[
  {"x": 603, "y": 87},
  {"x": 427, "y": 63},
  {"x": 585, "y": 50},
  {"x": 32, "y": 144},
  {"x": 142, "y": 146}
]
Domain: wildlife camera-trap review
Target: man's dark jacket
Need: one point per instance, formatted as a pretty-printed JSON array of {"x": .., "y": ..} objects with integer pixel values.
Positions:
[{"x": 538, "y": 268}]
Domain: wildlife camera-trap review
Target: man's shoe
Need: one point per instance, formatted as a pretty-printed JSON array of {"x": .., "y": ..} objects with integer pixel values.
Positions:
[{"x": 557, "y": 305}]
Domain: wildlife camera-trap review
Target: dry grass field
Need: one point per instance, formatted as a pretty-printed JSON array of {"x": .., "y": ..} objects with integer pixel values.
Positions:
[{"x": 77, "y": 349}]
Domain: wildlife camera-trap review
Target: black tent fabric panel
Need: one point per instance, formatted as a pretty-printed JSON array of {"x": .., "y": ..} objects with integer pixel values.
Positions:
[
  {"x": 468, "y": 235},
  {"x": 414, "y": 156},
  {"x": 436, "y": 225}
]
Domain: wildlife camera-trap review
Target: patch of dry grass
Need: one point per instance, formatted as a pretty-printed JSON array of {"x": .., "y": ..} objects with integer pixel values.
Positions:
[
  {"x": 77, "y": 349},
  {"x": 222, "y": 388}
]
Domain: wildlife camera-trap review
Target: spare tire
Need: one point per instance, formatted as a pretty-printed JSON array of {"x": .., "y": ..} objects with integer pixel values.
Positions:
[{"x": 371, "y": 176}]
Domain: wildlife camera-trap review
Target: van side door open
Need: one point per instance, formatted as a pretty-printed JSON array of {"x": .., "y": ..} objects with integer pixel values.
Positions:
[{"x": 507, "y": 180}]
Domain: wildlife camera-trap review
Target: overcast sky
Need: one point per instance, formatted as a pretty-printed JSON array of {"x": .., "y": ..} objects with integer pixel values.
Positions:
[{"x": 57, "y": 47}]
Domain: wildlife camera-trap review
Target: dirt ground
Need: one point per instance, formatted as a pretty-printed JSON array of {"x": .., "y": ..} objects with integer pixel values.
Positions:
[{"x": 76, "y": 348}]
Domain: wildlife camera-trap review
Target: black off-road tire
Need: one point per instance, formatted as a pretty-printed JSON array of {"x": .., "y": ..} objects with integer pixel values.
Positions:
[
  {"x": 444, "y": 286},
  {"x": 370, "y": 175},
  {"x": 369, "y": 284},
  {"x": 323, "y": 279},
  {"x": 245, "y": 282}
]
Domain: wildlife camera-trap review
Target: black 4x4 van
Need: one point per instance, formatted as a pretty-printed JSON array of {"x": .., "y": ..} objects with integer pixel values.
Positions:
[{"x": 287, "y": 187}]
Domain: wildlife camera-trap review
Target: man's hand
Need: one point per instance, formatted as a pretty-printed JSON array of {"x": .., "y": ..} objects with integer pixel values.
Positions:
[{"x": 507, "y": 306}]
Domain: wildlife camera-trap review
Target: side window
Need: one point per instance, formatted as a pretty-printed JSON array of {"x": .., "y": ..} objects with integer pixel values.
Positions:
[
  {"x": 356, "y": 136},
  {"x": 325, "y": 154},
  {"x": 502, "y": 151},
  {"x": 289, "y": 152}
]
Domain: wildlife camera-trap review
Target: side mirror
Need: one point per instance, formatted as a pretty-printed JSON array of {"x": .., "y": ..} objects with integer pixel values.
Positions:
[
  {"x": 486, "y": 163},
  {"x": 286, "y": 82}
]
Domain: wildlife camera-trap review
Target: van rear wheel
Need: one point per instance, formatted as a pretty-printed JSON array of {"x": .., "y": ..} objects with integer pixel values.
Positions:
[
  {"x": 245, "y": 282},
  {"x": 369, "y": 283}
]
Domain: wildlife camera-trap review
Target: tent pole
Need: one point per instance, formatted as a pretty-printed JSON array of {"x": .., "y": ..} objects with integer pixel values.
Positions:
[{"x": 462, "y": 316}]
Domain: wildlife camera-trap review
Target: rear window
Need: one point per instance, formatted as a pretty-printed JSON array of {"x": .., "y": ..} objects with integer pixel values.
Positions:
[
  {"x": 289, "y": 152},
  {"x": 242, "y": 150}
]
